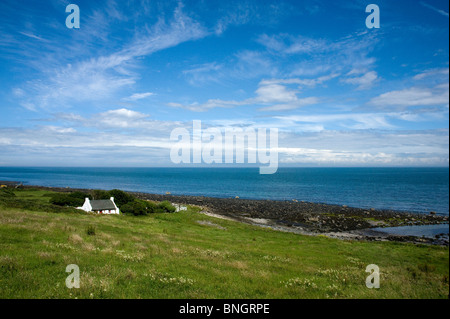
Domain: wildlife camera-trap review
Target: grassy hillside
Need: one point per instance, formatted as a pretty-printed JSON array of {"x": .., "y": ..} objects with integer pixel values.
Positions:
[{"x": 190, "y": 255}]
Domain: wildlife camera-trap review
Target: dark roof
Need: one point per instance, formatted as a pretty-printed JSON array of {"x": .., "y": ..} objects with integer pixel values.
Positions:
[{"x": 102, "y": 204}]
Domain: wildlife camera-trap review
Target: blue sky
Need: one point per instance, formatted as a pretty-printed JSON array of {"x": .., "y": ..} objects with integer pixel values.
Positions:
[{"x": 110, "y": 92}]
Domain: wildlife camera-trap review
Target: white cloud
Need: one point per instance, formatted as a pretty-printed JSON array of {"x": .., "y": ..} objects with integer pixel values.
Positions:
[
  {"x": 287, "y": 44},
  {"x": 320, "y": 55},
  {"x": 275, "y": 93},
  {"x": 355, "y": 121},
  {"x": 291, "y": 105},
  {"x": 205, "y": 73},
  {"x": 121, "y": 118},
  {"x": 275, "y": 96},
  {"x": 98, "y": 78},
  {"x": 363, "y": 82},
  {"x": 210, "y": 104},
  {"x": 432, "y": 73},
  {"x": 70, "y": 146},
  {"x": 138, "y": 96},
  {"x": 18, "y": 92},
  {"x": 59, "y": 130},
  {"x": 412, "y": 97},
  {"x": 304, "y": 82},
  {"x": 316, "y": 57},
  {"x": 365, "y": 147},
  {"x": 239, "y": 16}
]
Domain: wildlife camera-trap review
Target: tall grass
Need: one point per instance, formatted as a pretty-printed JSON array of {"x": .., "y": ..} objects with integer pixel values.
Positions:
[{"x": 185, "y": 255}]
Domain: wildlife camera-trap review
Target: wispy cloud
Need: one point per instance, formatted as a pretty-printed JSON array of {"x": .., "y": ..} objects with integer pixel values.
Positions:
[
  {"x": 323, "y": 55},
  {"x": 363, "y": 82},
  {"x": 357, "y": 121},
  {"x": 30, "y": 35},
  {"x": 437, "y": 72},
  {"x": 273, "y": 96},
  {"x": 102, "y": 77},
  {"x": 241, "y": 14},
  {"x": 414, "y": 96},
  {"x": 325, "y": 147},
  {"x": 311, "y": 82},
  {"x": 138, "y": 96},
  {"x": 138, "y": 69},
  {"x": 429, "y": 6}
]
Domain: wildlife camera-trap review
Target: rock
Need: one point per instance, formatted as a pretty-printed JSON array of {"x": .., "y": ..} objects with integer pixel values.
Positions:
[
  {"x": 344, "y": 206},
  {"x": 432, "y": 213},
  {"x": 237, "y": 197}
]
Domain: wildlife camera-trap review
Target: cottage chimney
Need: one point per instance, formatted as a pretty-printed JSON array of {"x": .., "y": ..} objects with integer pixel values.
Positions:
[{"x": 112, "y": 199}]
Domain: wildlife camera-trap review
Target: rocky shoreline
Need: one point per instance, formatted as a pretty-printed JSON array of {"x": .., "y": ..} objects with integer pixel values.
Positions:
[
  {"x": 306, "y": 218},
  {"x": 334, "y": 221}
]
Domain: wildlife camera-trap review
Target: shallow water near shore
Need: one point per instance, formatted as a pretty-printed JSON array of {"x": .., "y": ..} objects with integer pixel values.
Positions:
[
  {"x": 418, "y": 190},
  {"x": 422, "y": 230}
]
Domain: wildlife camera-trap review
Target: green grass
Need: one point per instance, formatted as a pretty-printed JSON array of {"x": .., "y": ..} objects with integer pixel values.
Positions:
[{"x": 190, "y": 255}]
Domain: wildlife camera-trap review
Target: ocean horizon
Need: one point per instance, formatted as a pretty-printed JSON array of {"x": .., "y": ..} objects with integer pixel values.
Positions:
[{"x": 412, "y": 189}]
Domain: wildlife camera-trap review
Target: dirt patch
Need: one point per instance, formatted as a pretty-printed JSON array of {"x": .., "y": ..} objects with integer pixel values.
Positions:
[{"x": 208, "y": 223}]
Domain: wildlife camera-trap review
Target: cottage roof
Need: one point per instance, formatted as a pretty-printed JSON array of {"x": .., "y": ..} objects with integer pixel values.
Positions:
[{"x": 102, "y": 204}]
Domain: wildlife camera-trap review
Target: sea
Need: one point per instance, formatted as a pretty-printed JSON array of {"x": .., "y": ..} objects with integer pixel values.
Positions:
[{"x": 419, "y": 190}]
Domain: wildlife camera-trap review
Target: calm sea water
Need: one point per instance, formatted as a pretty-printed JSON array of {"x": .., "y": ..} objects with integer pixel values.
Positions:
[
  {"x": 406, "y": 189},
  {"x": 423, "y": 230}
]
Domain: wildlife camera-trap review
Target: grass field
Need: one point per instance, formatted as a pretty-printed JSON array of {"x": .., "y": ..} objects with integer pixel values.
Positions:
[{"x": 191, "y": 255}]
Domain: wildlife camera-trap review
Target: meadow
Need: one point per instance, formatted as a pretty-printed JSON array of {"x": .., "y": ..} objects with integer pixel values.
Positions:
[{"x": 191, "y": 255}]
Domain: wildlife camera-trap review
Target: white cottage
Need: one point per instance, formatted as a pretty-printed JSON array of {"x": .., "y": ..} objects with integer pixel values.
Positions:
[{"x": 101, "y": 206}]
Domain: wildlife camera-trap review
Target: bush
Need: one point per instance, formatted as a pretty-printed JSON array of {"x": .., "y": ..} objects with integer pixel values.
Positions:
[
  {"x": 136, "y": 208},
  {"x": 7, "y": 193},
  {"x": 90, "y": 230},
  {"x": 100, "y": 194},
  {"x": 66, "y": 200},
  {"x": 143, "y": 207},
  {"x": 150, "y": 206},
  {"x": 80, "y": 195},
  {"x": 166, "y": 207},
  {"x": 121, "y": 197}
]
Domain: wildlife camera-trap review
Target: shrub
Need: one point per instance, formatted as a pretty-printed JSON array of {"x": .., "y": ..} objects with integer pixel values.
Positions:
[
  {"x": 80, "y": 195},
  {"x": 66, "y": 200},
  {"x": 90, "y": 230},
  {"x": 135, "y": 208},
  {"x": 159, "y": 210},
  {"x": 150, "y": 206},
  {"x": 121, "y": 197},
  {"x": 7, "y": 193},
  {"x": 166, "y": 207},
  {"x": 74, "y": 199},
  {"x": 100, "y": 194},
  {"x": 143, "y": 207}
]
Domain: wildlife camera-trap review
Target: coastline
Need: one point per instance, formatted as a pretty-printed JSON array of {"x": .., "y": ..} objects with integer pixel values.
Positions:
[{"x": 342, "y": 222}]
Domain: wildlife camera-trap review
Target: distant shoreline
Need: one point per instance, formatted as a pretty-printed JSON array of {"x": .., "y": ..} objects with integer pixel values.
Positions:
[
  {"x": 408, "y": 189},
  {"x": 296, "y": 216}
]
